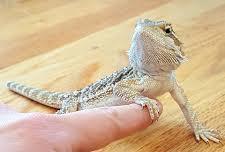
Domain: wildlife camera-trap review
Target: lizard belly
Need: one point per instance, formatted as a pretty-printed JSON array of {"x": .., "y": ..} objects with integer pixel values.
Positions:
[
  {"x": 154, "y": 88},
  {"x": 107, "y": 101}
]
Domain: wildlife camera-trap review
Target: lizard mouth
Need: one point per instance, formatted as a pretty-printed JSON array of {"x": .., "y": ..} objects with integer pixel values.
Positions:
[
  {"x": 179, "y": 45},
  {"x": 177, "y": 42},
  {"x": 175, "y": 39},
  {"x": 181, "y": 55}
]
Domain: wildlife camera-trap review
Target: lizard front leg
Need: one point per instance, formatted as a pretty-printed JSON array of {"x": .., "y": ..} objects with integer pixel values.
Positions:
[
  {"x": 200, "y": 131},
  {"x": 130, "y": 91}
]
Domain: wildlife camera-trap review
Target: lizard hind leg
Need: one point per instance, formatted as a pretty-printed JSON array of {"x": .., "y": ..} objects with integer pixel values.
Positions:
[
  {"x": 69, "y": 104},
  {"x": 68, "y": 107}
]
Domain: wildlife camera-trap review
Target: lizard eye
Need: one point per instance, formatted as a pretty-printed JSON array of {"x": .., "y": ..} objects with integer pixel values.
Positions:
[{"x": 168, "y": 30}]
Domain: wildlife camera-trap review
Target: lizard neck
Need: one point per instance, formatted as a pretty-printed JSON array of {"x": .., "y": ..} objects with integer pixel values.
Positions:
[
  {"x": 156, "y": 73},
  {"x": 163, "y": 75}
]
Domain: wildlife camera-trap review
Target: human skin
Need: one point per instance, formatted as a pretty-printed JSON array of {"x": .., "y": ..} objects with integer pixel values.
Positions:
[{"x": 81, "y": 131}]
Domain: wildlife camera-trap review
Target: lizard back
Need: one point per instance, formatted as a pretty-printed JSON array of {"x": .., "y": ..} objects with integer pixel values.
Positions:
[{"x": 96, "y": 90}]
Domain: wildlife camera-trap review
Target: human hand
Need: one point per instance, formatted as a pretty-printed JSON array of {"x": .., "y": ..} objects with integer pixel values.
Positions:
[{"x": 81, "y": 131}]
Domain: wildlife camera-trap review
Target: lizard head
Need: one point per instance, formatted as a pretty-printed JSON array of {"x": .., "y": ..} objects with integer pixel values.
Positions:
[{"x": 156, "y": 46}]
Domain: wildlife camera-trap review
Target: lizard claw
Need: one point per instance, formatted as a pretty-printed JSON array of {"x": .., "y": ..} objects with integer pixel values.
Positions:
[
  {"x": 206, "y": 134},
  {"x": 151, "y": 105}
]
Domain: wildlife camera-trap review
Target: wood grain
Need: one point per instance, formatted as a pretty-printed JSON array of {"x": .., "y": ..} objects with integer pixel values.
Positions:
[{"x": 64, "y": 45}]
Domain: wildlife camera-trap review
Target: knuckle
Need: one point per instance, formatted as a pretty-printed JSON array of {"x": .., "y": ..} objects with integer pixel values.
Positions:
[
  {"x": 33, "y": 121},
  {"x": 112, "y": 115},
  {"x": 111, "y": 112}
]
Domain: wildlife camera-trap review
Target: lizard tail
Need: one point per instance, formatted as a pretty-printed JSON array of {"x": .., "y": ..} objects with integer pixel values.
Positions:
[{"x": 51, "y": 99}]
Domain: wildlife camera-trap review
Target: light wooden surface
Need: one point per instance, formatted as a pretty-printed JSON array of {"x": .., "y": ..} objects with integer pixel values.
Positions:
[{"x": 65, "y": 45}]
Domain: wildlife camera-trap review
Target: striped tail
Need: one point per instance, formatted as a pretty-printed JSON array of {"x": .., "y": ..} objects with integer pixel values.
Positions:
[{"x": 47, "y": 98}]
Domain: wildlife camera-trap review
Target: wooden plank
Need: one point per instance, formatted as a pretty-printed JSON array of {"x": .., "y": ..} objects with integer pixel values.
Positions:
[
  {"x": 33, "y": 32},
  {"x": 200, "y": 25}
]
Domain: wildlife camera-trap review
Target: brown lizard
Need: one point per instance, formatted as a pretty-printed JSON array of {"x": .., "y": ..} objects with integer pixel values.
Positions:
[{"x": 154, "y": 55}]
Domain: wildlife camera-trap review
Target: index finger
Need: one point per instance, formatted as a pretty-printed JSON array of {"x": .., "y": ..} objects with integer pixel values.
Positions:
[{"x": 95, "y": 128}]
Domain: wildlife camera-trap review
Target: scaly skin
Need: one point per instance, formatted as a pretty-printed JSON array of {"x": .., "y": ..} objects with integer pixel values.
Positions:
[{"x": 154, "y": 55}]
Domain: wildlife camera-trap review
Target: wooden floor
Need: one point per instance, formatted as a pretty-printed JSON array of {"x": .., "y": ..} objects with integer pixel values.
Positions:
[{"x": 64, "y": 45}]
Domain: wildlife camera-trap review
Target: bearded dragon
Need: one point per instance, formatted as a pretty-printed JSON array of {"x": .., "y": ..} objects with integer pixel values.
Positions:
[{"x": 154, "y": 55}]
